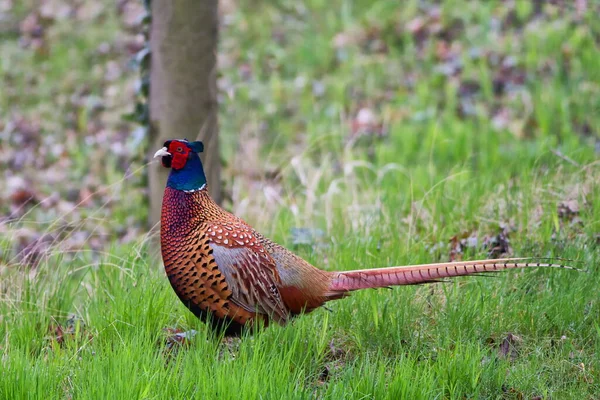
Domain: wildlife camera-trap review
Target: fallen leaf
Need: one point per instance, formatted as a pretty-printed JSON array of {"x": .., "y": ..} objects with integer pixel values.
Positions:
[
  {"x": 20, "y": 194},
  {"x": 568, "y": 209},
  {"x": 73, "y": 326},
  {"x": 177, "y": 337},
  {"x": 498, "y": 246},
  {"x": 508, "y": 346},
  {"x": 366, "y": 123}
]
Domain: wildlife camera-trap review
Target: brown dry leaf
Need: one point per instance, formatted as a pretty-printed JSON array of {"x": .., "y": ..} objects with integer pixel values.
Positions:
[
  {"x": 366, "y": 123},
  {"x": 177, "y": 337},
  {"x": 33, "y": 33},
  {"x": 32, "y": 247},
  {"x": 347, "y": 38},
  {"x": 26, "y": 131},
  {"x": 498, "y": 246},
  {"x": 443, "y": 51},
  {"x": 57, "y": 334},
  {"x": 509, "y": 346},
  {"x": 416, "y": 26},
  {"x": 459, "y": 243},
  {"x": 568, "y": 209},
  {"x": 31, "y": 27},
  {"x": 335, "y": 360},
  {"x": 51, "y": 10},
  {"x": 21, "y": 194},
  {"x": 336, "y": 351},
  {"x": 422, "y": 27},
  {"x": 132, "y": 14},
  {"x": 501, "y": 118},
  {"x": 371, "y": 40},
  {"x": 74, "y": 328},
  {"x": 22, "y": 197},
  {"x": 89, "y": 11},
  {"x": 324, "y": 375},
  {"x": 455, "y": 249},
  {"x": 469, "y": 88},
  {"x": 85, "y": 197}
]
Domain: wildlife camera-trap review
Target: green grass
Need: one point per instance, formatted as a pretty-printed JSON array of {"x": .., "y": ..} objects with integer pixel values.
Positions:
[{"x": 447, "y": 161}]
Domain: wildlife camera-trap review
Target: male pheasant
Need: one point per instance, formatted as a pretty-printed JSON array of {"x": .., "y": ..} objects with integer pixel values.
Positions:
[{"x": 229, "y": 274}]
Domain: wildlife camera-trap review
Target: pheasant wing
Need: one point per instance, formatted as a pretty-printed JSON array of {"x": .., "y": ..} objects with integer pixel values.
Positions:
[{"x": 250, "y": 272}]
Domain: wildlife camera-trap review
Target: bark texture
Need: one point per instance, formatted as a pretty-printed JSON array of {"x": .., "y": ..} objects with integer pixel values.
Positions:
[{"x": 183, "y": 97}]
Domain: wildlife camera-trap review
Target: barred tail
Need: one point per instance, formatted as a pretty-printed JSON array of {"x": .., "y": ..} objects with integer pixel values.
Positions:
[{"x": 343, "y": 282}]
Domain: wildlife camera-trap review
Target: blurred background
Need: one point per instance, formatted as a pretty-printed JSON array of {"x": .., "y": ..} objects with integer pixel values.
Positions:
[
  {"x": 358, "y": 133},
  {"x": 427, "y": 87}
]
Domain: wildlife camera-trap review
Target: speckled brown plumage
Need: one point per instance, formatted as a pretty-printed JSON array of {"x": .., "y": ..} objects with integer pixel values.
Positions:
[
  {"x": 246, "y": 284},
  {"x": 189, "y": 260},
  {"x": 227, "y": 273}
]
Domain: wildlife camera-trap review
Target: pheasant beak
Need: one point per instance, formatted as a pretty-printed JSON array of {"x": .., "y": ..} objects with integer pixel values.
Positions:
[{"x": 162, "y": 152}]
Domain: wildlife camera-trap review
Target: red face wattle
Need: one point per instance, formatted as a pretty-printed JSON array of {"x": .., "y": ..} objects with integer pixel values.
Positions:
[{"x": 179, "y": 154}]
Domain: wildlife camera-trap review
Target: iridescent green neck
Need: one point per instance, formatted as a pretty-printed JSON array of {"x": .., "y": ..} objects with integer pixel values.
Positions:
[{"x": 189, "y": 178}]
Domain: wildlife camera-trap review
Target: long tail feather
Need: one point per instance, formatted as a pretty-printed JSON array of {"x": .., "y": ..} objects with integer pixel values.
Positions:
[{"x": 426, "y": 273}]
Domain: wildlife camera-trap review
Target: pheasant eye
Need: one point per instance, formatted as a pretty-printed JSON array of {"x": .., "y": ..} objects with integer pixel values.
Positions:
[{"x": 180, "y": 149}]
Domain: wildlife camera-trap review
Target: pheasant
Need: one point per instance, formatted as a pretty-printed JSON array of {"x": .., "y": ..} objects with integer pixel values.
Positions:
[{"x": 230, "y": 275}]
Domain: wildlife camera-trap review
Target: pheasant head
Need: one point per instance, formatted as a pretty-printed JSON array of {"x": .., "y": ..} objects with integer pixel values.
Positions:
[{"x": 181, "y": 156}]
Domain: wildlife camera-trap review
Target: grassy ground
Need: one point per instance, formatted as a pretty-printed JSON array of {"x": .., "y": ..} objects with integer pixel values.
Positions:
[{"x": 361, "y": 135}]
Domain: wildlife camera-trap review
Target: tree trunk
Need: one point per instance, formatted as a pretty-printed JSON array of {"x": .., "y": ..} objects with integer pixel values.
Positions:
[{"x": 183, "y": 97}]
